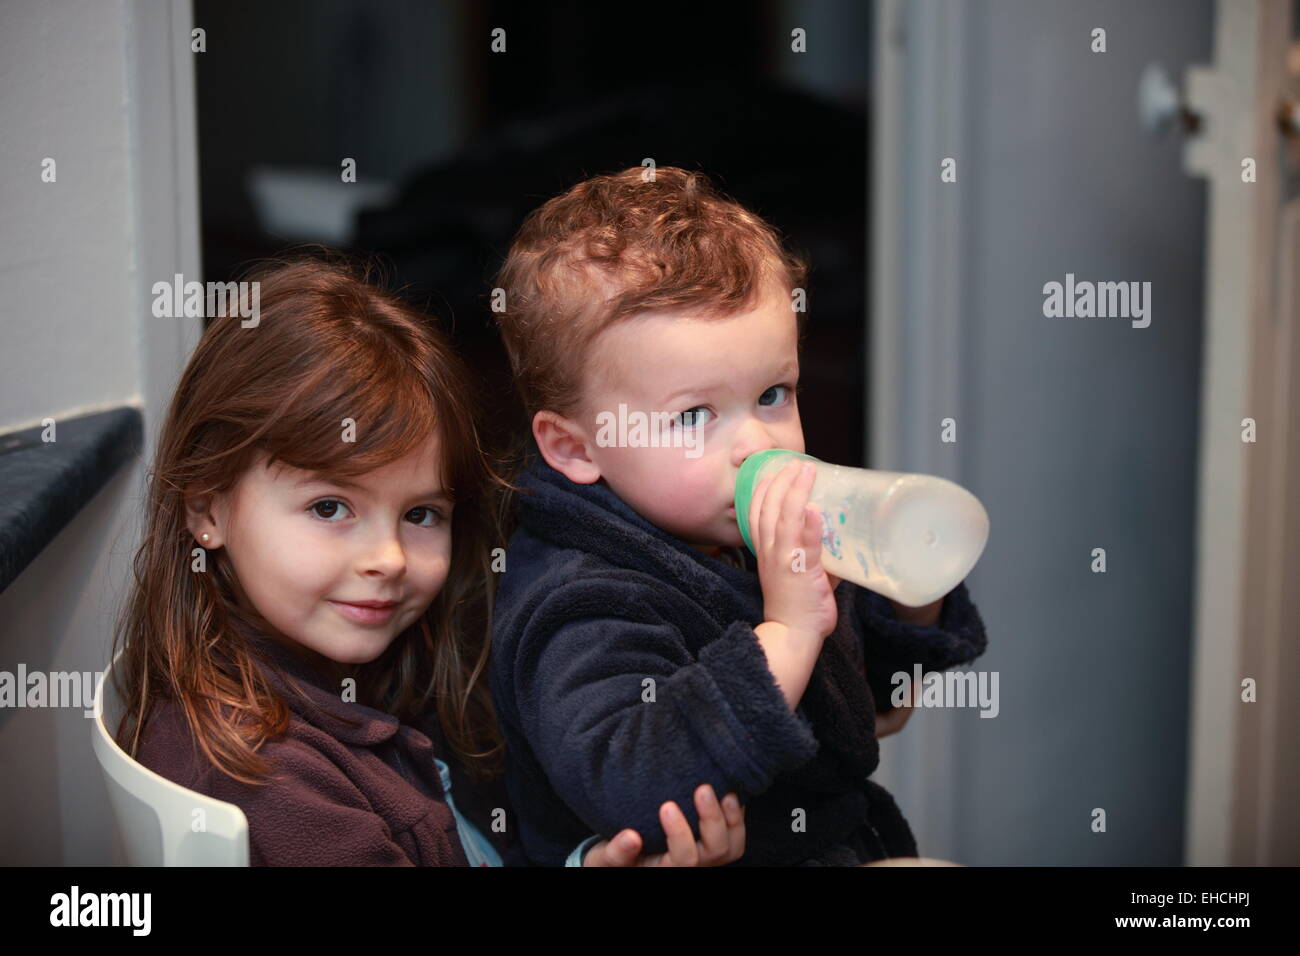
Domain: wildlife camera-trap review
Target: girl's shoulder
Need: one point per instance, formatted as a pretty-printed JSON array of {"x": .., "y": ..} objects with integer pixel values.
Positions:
[
  {"x": 307, "y": 812},
  {"x": 168, "y": 747}
]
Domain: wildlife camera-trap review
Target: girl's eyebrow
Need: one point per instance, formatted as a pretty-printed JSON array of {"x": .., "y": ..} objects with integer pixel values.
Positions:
[
  {"x": 347, "y": 483},
  {"x": 320, "y": 479}
]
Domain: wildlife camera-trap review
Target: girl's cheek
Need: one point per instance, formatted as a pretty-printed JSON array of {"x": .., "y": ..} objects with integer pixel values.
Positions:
[
  {"x": 307, "y": 542},
  {"x": 433, "y": 561}
]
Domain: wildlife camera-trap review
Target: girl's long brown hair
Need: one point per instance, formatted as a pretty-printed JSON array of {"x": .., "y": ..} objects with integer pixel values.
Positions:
[{"x": 330, "y": 345}]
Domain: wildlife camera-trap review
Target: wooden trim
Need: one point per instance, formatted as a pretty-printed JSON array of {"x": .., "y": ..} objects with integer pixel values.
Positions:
[{"x": 1244, "y": 758}]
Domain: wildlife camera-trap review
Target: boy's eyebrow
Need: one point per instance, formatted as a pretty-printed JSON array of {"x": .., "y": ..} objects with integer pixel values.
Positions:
[
  {"x": 789, "y": 368},
  {"x": 690, "y": 390}
]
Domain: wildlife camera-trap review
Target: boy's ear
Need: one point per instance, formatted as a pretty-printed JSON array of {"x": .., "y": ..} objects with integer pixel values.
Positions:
[{"x": 563, "y": 445}]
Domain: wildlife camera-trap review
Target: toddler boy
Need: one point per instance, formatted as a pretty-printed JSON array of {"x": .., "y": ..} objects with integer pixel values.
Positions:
[{"x": 639, "y": 649}]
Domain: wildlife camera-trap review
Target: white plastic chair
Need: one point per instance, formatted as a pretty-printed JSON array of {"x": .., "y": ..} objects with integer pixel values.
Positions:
[{"x": 156, "y": 816}]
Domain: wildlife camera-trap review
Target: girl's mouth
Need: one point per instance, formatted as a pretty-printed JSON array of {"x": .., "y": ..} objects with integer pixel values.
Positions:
[{"x": 370, "y": 612}]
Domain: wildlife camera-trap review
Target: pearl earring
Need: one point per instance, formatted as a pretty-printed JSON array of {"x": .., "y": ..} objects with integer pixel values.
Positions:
[{"x": 206, "y": 536}]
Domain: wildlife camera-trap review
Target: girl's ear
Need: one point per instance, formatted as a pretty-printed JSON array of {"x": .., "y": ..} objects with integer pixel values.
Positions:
[
  {"x": 204, "y": 519},
  {"x": 564, "y": 447}
]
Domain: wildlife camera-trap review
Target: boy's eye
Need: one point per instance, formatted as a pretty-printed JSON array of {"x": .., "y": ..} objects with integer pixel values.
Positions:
[
  {"x": 775, "y": 395},
  {"x": 328, "y": 508},
  {"x": 424, "y": 516},
  {"x": 694, "y": 417}
]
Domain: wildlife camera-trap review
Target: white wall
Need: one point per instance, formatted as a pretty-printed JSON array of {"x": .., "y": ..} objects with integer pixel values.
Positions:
[
  {"x": 1075, "y": 433},
  {"x": 106, "y": 90}
]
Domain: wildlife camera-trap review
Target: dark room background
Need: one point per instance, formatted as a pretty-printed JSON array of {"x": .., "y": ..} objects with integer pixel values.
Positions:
[{"x": 454, "y": 144}]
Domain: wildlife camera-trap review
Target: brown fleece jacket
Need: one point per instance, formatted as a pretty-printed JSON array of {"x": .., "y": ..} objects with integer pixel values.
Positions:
[{"x": 351, "y": 785}]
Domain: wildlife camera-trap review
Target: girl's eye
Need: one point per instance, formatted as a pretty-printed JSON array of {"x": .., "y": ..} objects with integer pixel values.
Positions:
[
  {"x": 425, "y": 517},
  {"x": 773, "y": 393},
  {"x": 328, "y": 508},
  {"x": 694, "y": 417}
]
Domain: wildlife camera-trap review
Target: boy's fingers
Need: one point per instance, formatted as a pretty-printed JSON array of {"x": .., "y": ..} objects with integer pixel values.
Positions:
[
  {"x": 755, "y": 511},
  {"x": 595, "y": 856},
  {"x": 681, "y": 841},
  {"x": 793, "y": 521},
  {"x": 774, "y": 504},
  {"x": 812, "y": 532},
  {"x": 732, "y": 810},
  {"x": 623, "y": 850},
  {"x": 767, "y": 516},
  {"x": 713, "y": 825},
  {"x": 735, "y": 826}
]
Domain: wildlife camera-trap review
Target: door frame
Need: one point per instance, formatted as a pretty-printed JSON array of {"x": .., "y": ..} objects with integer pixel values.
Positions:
[
  {"x": 915, "y": 322},
  {"x": 1244, "y": 758}
]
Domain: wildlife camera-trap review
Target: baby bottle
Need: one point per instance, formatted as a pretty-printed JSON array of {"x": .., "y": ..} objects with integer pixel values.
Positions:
[{"x": 912, "y": 538}]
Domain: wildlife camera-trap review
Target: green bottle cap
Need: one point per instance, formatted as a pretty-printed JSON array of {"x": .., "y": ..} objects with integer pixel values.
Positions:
[{"x": 746, "y": 480}]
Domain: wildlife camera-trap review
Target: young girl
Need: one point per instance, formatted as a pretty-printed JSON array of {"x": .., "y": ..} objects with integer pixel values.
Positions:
[{"x": 307, "y": 630}]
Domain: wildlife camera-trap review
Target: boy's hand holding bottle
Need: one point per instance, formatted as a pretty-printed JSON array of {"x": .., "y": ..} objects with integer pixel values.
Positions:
[{"x": 798, "y": 594}]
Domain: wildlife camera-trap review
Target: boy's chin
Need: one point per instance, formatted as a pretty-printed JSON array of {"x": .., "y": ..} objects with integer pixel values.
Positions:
[{"x": 712, "y": 538}]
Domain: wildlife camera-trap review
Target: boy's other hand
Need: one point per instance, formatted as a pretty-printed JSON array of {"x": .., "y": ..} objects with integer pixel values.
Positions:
[
  {"x": 722, "y": 836},
  {"x": 796, "y": 593},
  {"x": 891, "y": 721}
]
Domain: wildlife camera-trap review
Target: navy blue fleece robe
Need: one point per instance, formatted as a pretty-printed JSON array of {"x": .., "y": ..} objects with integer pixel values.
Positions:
[{"x": 626, "y": 672}]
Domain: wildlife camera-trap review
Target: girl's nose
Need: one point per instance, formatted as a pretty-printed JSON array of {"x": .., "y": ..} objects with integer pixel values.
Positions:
[{"x": 386, "y": 557}]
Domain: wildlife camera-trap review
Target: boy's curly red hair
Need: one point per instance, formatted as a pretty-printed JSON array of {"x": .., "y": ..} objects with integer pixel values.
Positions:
[{"x": 619, "y": 245}]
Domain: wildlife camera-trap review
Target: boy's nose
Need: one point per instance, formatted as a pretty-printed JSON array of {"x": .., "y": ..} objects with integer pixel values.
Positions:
[{"x": 752, "y": 437}]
